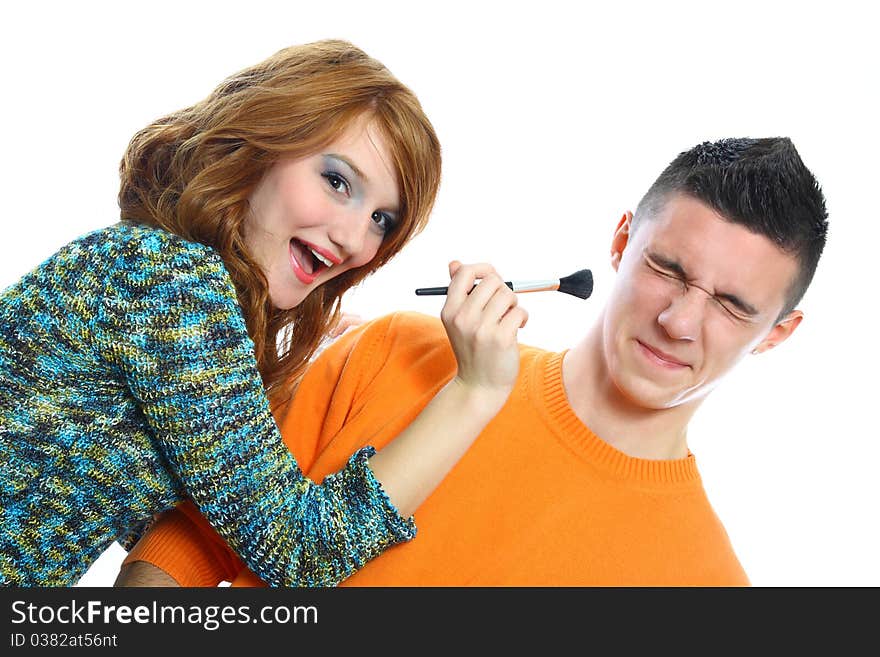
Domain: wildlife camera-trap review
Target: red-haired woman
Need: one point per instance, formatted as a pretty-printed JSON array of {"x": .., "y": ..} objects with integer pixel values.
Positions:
[{"x": 137, "y": 363}]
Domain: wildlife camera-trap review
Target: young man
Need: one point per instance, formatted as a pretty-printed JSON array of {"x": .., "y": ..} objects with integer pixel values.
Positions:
[{"x": 585, "y": 476}]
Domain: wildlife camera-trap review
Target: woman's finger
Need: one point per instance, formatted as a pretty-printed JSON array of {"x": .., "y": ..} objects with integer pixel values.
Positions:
[
  {"x": 500, "y": 303},
  {"x": 515, "y": 319},
  {"x": 475, "y": 304},
  {"x": 461, "y": 285}
]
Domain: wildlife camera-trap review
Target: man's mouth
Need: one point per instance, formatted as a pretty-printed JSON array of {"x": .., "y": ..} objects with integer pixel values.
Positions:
[{"x": 662, "y": 358}]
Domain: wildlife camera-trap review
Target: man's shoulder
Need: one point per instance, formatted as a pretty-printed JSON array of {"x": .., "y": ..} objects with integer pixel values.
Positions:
[
  {"x": 408, "y": 327},
  {"x": 398, "y": 329},
  {"x": 404, "y": 333},
  {"x": 402, "y": 351},
  {"x": 396, "y": 341},
  {"x": 404, "y": 322}
]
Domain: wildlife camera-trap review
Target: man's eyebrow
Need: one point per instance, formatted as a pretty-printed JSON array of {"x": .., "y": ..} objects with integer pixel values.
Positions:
[
  {"x": 742, "y": 306},
  {"x": 351, "y": 165},
  {"x": 674, "y": 267},
  {"x": 666, "y": 263}
]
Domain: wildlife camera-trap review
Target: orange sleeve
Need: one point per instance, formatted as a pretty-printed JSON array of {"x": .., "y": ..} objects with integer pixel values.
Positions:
[
  {"x": 186, "y": 547},
  {"x": 183, "y": 544},
  {"x": 365, "y": 394}
]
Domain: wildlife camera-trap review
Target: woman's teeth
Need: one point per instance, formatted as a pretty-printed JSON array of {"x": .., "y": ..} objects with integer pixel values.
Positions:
[{"x": 327, "y": 263}]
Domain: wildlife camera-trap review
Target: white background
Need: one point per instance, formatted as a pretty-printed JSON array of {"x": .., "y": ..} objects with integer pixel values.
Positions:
[{"x": 554, "y": 117}]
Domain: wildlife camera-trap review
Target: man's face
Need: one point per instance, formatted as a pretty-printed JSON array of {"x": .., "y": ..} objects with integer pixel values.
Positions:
[{"x": 694, "y": 294}]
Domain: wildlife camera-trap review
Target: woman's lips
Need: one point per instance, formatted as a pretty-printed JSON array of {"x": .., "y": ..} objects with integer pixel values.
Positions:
[
  {"x": 298, "y": 255},
  {"x": 660, "y": 358},
  {"x": 323, "y": 252}
]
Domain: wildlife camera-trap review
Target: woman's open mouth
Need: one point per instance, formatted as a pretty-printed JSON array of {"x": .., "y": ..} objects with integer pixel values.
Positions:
[{"x": 306, "y": 263}]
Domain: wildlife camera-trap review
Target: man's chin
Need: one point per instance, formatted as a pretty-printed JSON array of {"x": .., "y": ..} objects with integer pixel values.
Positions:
[{"x": 650, "y": 396}]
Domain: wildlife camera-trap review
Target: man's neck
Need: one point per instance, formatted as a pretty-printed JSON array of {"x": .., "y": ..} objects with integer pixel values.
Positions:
[{"x": 634, "y": 430}]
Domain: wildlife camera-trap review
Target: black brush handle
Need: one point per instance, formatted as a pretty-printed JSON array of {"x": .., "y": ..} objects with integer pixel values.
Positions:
[
  {"x": 439, "y": 291},
  {"x": 431, "y": 291}
]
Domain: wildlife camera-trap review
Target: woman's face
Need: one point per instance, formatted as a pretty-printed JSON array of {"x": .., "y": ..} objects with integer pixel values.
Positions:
[{"x": 318, "y": 216}]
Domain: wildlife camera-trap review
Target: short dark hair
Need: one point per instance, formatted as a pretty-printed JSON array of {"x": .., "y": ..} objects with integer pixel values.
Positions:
[{"x": 761, "y": 184}]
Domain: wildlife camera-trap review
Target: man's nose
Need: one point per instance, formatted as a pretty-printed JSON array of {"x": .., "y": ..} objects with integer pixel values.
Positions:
[{"x": 684, "y": 315}]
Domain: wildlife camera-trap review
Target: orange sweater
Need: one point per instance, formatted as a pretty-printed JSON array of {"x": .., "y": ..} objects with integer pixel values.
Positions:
[{"x": 539, "y": 500}]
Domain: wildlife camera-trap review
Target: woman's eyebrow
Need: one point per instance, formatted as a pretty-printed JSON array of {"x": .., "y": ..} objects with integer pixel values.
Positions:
[{"x": 351, "y": 165}]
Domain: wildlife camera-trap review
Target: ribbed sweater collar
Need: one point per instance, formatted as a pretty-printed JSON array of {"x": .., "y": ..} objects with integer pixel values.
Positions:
[{"x": 548, "y": 394}]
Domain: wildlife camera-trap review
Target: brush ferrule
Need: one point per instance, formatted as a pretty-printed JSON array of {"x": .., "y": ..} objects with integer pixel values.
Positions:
[{"x": 534, "y": 286}]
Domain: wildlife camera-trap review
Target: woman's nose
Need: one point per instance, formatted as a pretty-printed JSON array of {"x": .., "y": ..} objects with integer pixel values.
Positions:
[{"x": 349, "y": 232}]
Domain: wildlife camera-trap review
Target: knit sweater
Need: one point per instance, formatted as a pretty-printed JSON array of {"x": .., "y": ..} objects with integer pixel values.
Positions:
[
  {"x": 127, "y": 383},
  {"x": 539, "y": 499}
]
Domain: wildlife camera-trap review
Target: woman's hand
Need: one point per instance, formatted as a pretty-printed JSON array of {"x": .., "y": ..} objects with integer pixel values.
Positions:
[{"x": 482, "y": 321}]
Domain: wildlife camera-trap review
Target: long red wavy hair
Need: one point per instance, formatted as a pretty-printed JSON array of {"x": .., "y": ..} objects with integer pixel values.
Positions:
[{"x": 192, "y": 172}]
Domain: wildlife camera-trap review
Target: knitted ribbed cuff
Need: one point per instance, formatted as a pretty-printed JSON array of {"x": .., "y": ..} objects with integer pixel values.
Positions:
[
  {"x": 349, "y": 521},
  {"x": 374, "y": 496}
]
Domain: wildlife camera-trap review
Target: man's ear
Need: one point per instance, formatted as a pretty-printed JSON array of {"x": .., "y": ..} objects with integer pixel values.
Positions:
[
  {"x": 621, "y": 238},
  {"x": 781, "y": 332}
]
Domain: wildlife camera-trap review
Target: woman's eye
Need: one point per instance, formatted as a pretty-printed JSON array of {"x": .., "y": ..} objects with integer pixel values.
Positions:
[
  {"x": 336, "y": 181},
  {"x": 383, "y": 221}
]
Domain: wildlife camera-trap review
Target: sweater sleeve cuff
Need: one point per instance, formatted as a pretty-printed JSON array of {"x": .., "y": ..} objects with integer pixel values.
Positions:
[
  {"x": 400, "y": 529},
  {"x": 176, "y": 545}
]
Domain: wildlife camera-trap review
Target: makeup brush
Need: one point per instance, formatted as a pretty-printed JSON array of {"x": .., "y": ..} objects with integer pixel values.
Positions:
[{"x": 578, "y": 284}]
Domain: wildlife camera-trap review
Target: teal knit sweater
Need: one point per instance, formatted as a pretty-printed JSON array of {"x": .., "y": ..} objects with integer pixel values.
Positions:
[{"x": 127, "y": 382}]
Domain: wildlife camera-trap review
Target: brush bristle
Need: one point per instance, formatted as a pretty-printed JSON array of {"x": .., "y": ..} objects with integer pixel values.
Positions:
[{"x": 579, "y": 284}]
